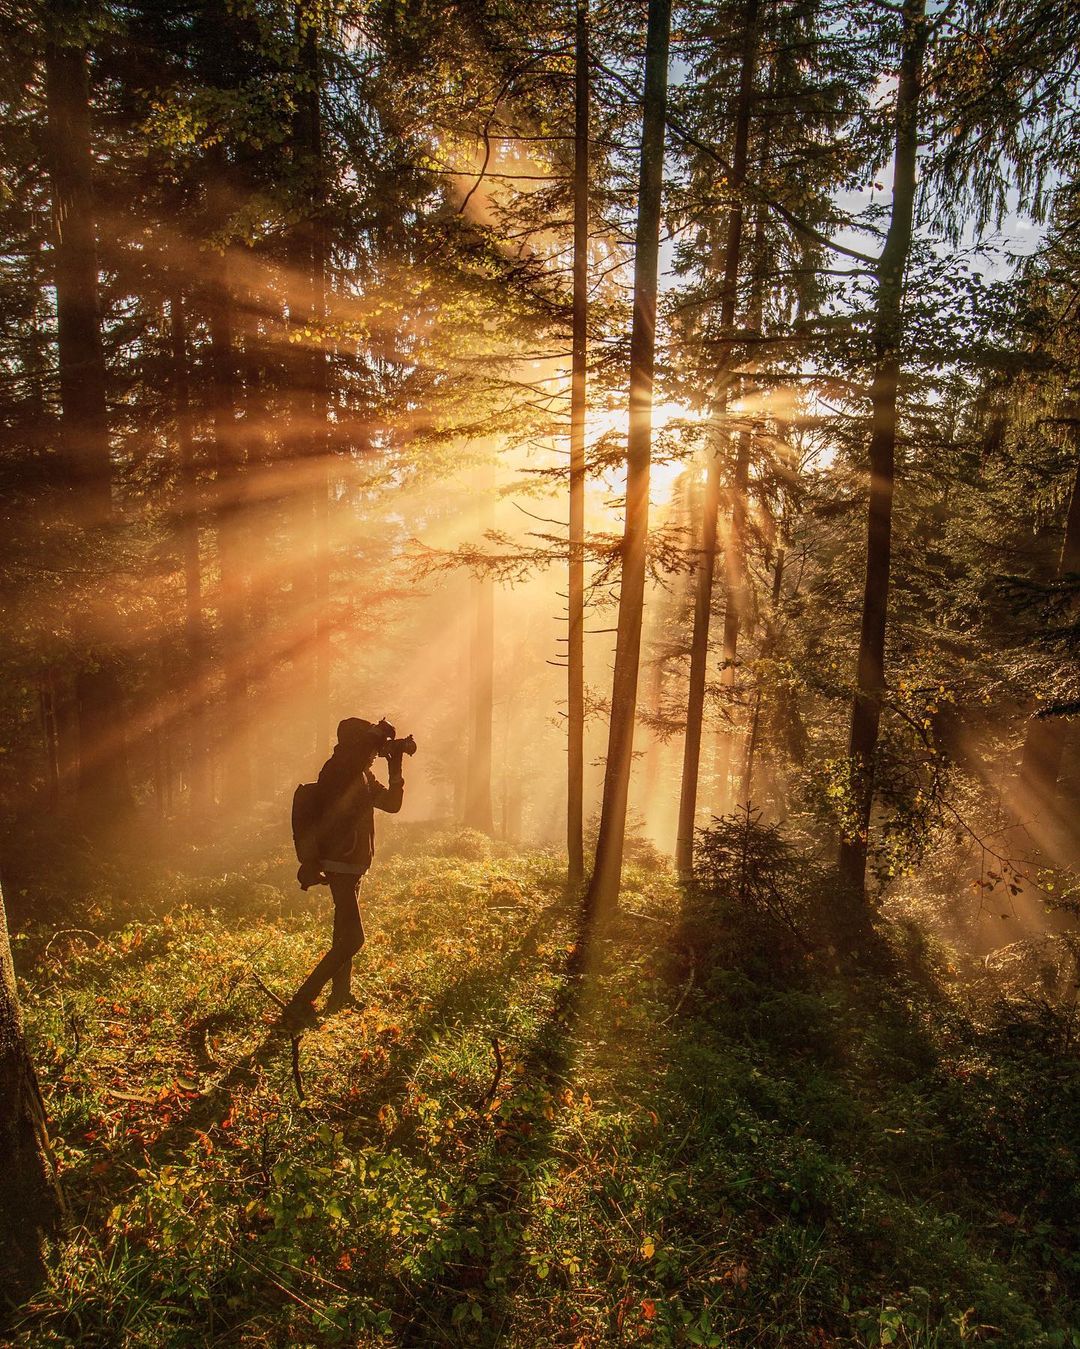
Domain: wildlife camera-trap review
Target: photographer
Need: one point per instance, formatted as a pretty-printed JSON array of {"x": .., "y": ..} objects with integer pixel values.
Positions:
[{"x": 342, "y": 837}]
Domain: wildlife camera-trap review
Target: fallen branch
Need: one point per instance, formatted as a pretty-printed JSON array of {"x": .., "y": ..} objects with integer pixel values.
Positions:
[
  {"x": 268, "y": 991},
  {"x": 689, "y": 985},
  {"x": 198, "y": 1039},
  {"x": 143, "y": 1098},
  {"x": 71, "y": 932}
]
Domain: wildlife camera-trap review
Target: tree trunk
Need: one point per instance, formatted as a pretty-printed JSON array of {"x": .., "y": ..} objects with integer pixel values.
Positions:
[
  {"x": 85, "y": 425},
  {"x": 478, "y": 808},
  {"x": 607, "y": 870},
  {"x": 699, "y": 645},
  {"x": 258, "y": 523},
  {"x": 319, "y": 380},
  {"x": 699, "y": 651},
  {"x": 734, "y": 609},
  {"x": 575, "y": 655},
  {"x": 50, "y": 739},
  {"x": 229, "y": 512},
  {"x": 102, "y": 769},
  {"x": 746, "y": 789},
  {"x": 310, "y": 383},
  {"x": 220, "y": 31},
  {"x": 30, "y": 1201},
  {"x": 194, "y": 633},
  {"x": 888, "y": 331},
  {"x": 1044, "y": 740}
]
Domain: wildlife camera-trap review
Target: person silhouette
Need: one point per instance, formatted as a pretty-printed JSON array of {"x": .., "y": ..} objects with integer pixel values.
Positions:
[{"x": 347, "y": 795}]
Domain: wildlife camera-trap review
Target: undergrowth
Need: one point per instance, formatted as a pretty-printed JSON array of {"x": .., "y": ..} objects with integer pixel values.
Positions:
[{"x": 699, "y": 1134}]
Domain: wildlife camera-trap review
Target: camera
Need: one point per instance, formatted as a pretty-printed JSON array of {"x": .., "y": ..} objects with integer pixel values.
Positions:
[{"x": 389, "y": 747}]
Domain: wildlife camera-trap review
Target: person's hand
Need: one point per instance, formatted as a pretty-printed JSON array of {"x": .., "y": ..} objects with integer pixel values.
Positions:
[{"x": 310, "y": 874}]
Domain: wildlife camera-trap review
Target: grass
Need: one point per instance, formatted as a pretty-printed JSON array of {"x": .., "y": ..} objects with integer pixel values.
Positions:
[{"x": 698, "y": 1136}]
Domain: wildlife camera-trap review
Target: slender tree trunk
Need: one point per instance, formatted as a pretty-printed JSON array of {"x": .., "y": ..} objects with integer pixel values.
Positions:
[
  {"x": 320, "y": 386},
  {"x": 30, "y": 1201},
  {"x": 228, "y": 462},
  {"x": 85, "y": 425},
  {"x": 258, "y": 520},
  {"x": 575, "y": 655},
  {"x": 746, "y": 790},
  {"x": 657, "y": 668},
  {"x": 699, "y": 651},
  {"x": 310, "y": 381},
  {"x": 102, "y": 770},
  {"x": 157, "y": 765},
  {"x": 607, "y": 870},
  {"x": 1044, "y": 740},
  {"x": 734, "y": 609},
  {"x": 463, "y": 607},
  {"x": 478, "y": 808},
  {"x": 194, "y": 633},
  {"x": 50, "y": 739},
  {"x": 699, "y": 646},
  {"x": 888, "y": 331}
]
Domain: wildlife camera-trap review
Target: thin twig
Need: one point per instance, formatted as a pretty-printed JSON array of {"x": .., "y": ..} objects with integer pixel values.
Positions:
[
  {"x": 489, "y": 1095},
  {"x": 71, "y": 932},
  {"x": 268, "y": 991},
  {"x": 685, "y": 993}
]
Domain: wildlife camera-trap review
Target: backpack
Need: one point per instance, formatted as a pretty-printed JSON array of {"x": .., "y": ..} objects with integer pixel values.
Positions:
[{"x": 306, "y": 821}]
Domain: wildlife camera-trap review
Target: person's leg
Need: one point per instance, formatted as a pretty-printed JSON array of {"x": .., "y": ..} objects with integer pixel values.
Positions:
[
  {"x": 348, "y": 933},
  {"x": 347, "y": 940}
]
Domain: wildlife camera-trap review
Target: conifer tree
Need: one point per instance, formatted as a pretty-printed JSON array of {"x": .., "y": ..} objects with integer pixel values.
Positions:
[
  {"x": 607, "y": 867},
  {"x": 887, "y": 336}
]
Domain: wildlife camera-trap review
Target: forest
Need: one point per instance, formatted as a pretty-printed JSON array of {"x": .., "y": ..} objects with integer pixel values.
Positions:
[{"x": 627, "y": 458}]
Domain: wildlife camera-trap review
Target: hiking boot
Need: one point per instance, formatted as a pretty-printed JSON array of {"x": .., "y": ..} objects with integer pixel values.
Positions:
[
  {"x": 340, "y": 1003},
  {"x": 299, "y": 1016}
]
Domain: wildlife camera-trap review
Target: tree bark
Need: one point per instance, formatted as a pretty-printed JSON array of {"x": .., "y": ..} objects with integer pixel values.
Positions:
[
  {"x": 1044, "y": 739},
  {"x": 607, "y": 870},
  {"x": 31, "y": 1204},
  {"x": 50, "y": 739},
  {"x": 734, "y": 609},
  {"x": 699, "y": 645},
  {"x": 85, "y": 424},
  {"x": 102, "y": 768},
  {"x": 229, "y": 518},
  {"x": 746, "y": 790},
  {"x": 220, "y": 31},
  {"x": 575, "y": 655},
  {"x": 258, "y": 522},
  {"x": 478, "y": 807},
  {"x": 313, "y": 252},
  {"x": 888, "y": 332},
  {"x": 699, "y": 652},
  {"x": 194, "y": 631}
]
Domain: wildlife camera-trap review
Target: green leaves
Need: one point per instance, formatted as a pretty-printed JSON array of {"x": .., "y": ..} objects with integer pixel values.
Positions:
[{"x": 759, "y": 1157}]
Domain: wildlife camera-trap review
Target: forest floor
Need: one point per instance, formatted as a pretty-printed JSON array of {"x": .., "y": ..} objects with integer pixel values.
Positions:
[{"x": 698, "y": 1136}]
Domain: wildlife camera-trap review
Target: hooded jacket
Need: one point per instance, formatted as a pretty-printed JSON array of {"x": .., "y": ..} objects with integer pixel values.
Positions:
[{"x": 349, "y": 795}]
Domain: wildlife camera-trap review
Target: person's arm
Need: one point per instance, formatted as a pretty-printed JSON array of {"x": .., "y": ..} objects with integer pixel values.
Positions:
[{"x": 388, "y": 798}]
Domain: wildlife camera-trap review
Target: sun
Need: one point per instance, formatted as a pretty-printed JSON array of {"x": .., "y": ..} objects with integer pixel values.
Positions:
[{"x": 664, "y": 470}]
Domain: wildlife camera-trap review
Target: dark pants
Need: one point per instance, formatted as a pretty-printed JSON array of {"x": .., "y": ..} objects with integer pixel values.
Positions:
[{"x": 348, "y": 939}]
